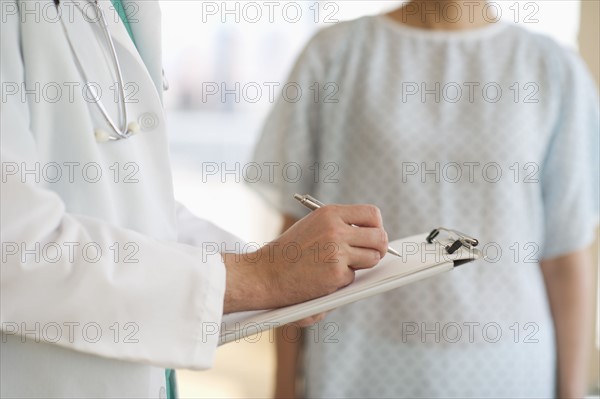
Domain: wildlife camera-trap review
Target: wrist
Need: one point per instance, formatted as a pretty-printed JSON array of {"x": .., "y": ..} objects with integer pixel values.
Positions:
[{"x": 249, "y": 282}]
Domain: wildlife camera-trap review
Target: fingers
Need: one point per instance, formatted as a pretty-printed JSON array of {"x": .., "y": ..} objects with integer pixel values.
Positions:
[
  {"x": 361, "y": 228},
  {"x": 309, "y": 321},
  {"x": 359, "y": 215},
  {"x": 362, "y": 258},
  {"x": 333, "y": 242},
  {"x": 372, "y": 238},
  {"x": 345, "y": 276}
]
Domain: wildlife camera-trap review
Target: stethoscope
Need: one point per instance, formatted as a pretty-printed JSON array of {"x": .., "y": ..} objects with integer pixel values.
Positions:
[{"x": 123, "y": 129}]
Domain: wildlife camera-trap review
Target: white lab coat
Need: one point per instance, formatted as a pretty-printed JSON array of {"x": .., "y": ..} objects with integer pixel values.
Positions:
[{"x": 108, "y": 325}]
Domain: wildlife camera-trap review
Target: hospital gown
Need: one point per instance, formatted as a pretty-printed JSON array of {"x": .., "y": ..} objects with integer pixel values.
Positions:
[{"x": 491, "y": 131}]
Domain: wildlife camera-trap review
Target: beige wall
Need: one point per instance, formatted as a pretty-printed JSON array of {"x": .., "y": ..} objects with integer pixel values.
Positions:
[
  {"x": 589, "y": 38},
  {"x": 589, "y": 35}
]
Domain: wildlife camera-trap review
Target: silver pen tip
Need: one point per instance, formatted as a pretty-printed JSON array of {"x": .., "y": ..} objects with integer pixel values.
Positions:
[{"x": 394, "y": 252}]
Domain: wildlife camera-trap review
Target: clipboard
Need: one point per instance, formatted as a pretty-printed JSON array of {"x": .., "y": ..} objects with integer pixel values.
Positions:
[{"x": 421, "y": 256}]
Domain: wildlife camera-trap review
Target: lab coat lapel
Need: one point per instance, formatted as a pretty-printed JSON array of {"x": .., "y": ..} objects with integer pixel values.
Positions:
[
  {"x": 146, "y": 27},
  {"x": 144, "y": 20},
  {"x": 116, "y": 27}
]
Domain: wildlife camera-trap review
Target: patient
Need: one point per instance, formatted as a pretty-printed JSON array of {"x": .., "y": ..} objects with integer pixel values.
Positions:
[{"x": 476, "y": 125}]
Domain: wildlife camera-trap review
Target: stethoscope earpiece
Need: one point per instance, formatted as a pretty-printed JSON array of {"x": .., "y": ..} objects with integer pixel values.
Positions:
[
  {"x": 133, "y": 128},
  {"x": 102, "y": 136}
]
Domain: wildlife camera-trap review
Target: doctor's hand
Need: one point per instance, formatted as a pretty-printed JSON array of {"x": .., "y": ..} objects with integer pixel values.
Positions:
[{"x": 316, "y": 256}]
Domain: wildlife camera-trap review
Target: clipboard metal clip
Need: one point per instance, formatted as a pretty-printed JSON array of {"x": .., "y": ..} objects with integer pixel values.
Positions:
[{"x": 454, "y": 241}]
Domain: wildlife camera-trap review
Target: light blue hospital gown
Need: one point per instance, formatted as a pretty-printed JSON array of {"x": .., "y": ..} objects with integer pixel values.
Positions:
[{"x": 518, "y": 170}]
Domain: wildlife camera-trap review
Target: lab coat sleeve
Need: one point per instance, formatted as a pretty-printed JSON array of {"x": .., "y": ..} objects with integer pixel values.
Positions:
[{"x": 161, "y": 307}]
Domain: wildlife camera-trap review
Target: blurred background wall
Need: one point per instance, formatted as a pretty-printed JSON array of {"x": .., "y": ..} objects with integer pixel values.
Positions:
[
  {"x": 589, "y": 39},
  {"x": 221, "y": 60}
]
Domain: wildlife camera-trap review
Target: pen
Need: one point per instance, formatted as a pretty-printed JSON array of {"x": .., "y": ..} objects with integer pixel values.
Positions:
[{"x": 312, "y": 204}]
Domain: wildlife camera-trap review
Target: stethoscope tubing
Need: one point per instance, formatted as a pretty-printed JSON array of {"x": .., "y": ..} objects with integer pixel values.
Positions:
[{"x": 122, "y": 131}]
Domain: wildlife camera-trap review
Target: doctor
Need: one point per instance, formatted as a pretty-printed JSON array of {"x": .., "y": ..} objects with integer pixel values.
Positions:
[{"x": 105, "y": 280}]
